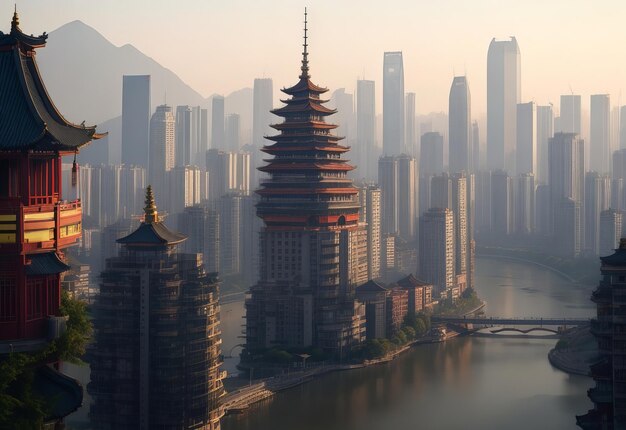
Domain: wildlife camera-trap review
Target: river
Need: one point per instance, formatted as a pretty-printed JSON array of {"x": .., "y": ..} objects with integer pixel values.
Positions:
[{"x": 465, "y": 383}]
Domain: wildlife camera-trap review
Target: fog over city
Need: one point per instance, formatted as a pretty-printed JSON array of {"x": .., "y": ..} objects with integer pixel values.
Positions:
[{"x": 337, "y": 215}]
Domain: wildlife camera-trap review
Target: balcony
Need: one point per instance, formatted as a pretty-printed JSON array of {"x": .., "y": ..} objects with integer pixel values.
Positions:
[{"x": 40, "y": 225}]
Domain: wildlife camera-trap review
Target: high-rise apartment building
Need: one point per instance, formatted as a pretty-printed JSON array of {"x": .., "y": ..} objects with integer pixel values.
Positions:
[
  {"x": 503, "y": 95},
  {"x": 312, "y": 242},
  {"x": 201, "y": 226},
  {"x": 170, "y": 306},
  {"x": 502, "y": 216},
  {"x": 366, "y": 149},
  {"x": 184, "y": 139},
  {"x": 436, "y": 249},
  {"x": 431, "y": 154},
  {"x": 622, "y": 128},
  {"x": 545, "y": 131},
  {"x": 136, "y": 111},
  {"x": 407, "y": 195},
  {"x": 610, "y": 231},
  {"x": 162, "y": 145},
  {"x": 410, "y": 127},
  {"x": 525, "y": 204},
  {"x": 393, "y": 104},
  {"x": 570, "y": 118},
  {"x": 233, "y": 132},
  {"x": 388, "y": 181},
  {"x": 476, "y": 152},
  {"x": 566, "y": 175},
  {"x": 459, "y": 126},
  {"x": 370, "y": 199},
  {"x": 597, "y": 199},
  {"x": 263, "y": 102},
  {"x": 218, "y": 137},
  {"x": 526, "y": 152},
  {"x": 599, "y": 134},
  {"x": 228, "y": 172}
]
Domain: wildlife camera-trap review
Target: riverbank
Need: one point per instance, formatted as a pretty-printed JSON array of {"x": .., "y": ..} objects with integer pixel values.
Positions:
[
  {"x": 242, "y": 397},
  {"x": 574, "y": 352}
]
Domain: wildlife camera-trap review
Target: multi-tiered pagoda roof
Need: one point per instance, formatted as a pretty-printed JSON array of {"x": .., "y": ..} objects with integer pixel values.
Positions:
[
  {"x": 308, "y": 184},
  {"x": 30, "y": 120}
]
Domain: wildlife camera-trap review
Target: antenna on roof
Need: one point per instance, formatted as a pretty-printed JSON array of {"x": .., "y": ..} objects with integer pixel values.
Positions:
[{"x": 305, "y": 54}]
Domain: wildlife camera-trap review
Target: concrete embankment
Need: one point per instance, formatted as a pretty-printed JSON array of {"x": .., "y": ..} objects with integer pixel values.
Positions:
[{"x": 576, "y": 351}]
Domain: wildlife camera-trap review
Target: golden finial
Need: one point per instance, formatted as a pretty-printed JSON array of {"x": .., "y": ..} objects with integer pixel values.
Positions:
[
  {"x": 150, "y": 210},
  {"x": 15, "y": 22}
]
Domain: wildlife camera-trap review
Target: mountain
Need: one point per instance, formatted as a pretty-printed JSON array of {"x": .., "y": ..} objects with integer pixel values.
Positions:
[{"x": 83, "y": 73}]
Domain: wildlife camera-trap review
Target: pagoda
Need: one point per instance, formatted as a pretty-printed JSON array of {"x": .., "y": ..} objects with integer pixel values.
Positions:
[
  {"x": 313, "y": 247},
  {"x": 156, "y": 356},
  {"x": 609, "y": 328},
  {"x": 36, "y": 224}
]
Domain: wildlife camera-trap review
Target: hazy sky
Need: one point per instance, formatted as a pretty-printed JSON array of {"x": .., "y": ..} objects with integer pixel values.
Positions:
[{"x": 221, "y": 46}]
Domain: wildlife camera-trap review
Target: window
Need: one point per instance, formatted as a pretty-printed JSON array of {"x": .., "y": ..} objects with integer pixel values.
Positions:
[
  {"x": 8, "y": 294},
  {"x": 34, "y": 298}
]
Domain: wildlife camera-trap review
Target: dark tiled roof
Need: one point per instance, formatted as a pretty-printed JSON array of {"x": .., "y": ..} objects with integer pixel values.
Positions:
[
  {"x": 155, "y": 233},
  {"x": 616, "y": 259},
  {"x": 45, "y": 264},
  {"x": 411, "y": 281},
  {"x": 63, "y": 394},
  {"x": 371, "y": 286},
  {"x": 28, "y": 118}
]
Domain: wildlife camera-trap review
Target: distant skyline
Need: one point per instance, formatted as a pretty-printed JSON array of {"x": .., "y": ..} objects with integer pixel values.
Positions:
[{"x": 219, "y": 47}]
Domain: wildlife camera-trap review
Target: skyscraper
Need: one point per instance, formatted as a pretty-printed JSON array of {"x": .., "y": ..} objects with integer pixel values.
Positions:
[
  {"x": 622, "y": 127},
  {"x": 431, "y": 154},
  {"x": 344, "y": 104},
  {"x": 201, "y": 226},
  {"x": 263, "y": 102},
  {"x": 262, "y": 118},
  {"x": 436, "y": 253},
  {"x": 370, "y": 197},
  {"x": 218, "y": 139},
  {"x": 228, "y": 172},
  {"x": 545, "y": 131},
  {"x": 525, "y": 204},
  {"x": 596, "y": 200},
  {"x": 570, "y": 118},
  {"x": 610, "y": 231},
  {"x": 599, "y": 136},
  {"x": 476, "y": 157},
  {"x": 162, "y": 149},
  {"x": 566, "y": 180},
  {"x": 184, "y": 142},
  {"x": 164, "y": 335},
  {"x": 233, "y": 132},
  {"x": 388, "y": 181},
  {"x": 136, "y": 112},
  {"x": 502, "y": 217},
  {"x": 407, "y": 195},
  {"x": 410, "y": 132},
  {"x": 526, "y": 153},
  {"x": 503, "y": 95},
  {"x": 365, "y": 148},
  {"x": 312, "y": 244},
  {"x": 393, "y": 104},
  {"x": 459, "y": 126}
]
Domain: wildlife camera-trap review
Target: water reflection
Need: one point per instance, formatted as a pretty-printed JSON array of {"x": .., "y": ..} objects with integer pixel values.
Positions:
[{"x": 466, "y": 383}]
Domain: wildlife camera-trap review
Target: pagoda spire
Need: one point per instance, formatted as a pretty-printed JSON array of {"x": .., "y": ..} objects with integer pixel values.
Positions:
[
  {"x": 305, "y": 54},
  {"x": 150, "y": 211},
  {"x": 15, "y": 22}
]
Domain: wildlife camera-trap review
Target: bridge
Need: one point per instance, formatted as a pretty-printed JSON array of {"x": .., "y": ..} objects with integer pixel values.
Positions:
[{"x": 505, "y": 321}]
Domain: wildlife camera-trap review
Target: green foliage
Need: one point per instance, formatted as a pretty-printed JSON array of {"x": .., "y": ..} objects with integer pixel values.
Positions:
[
  {"x": 72, "y": 344},
  {"x": 562, "y": 344},
  {"x": 409, "y": 332},
  {"x": 420, "y": 323},
  {"x": 20, "y": 408},
  {"x": 278, "y": 356}
]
